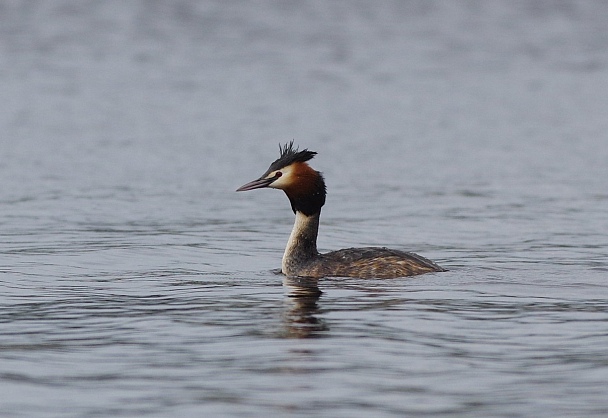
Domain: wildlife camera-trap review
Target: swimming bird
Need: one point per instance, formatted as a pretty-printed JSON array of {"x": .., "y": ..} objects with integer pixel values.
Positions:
[{"x": 306, "y": 191}]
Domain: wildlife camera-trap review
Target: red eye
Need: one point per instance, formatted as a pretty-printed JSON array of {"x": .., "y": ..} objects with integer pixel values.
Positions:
[{"x": 277, "y": 174}]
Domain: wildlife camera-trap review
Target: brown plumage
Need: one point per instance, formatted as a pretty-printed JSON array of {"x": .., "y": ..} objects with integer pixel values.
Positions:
[
  {"x": 305, "y": 189},
  {"x": 370, "y": 262}
]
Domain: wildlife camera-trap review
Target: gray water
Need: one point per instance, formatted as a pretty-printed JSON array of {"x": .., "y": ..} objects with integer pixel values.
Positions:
[{"x": 135, "y": 282}]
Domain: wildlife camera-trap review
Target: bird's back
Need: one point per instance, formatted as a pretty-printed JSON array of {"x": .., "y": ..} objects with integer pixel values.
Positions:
[{"x": 369, "y": 262}]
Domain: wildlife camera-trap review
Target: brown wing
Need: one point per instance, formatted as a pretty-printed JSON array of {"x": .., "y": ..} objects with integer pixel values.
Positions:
[{"x": 373, "y": 262}]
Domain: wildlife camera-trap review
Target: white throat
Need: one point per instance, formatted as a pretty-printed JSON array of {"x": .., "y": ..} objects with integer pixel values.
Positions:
[{"x": 302, "y": 244}]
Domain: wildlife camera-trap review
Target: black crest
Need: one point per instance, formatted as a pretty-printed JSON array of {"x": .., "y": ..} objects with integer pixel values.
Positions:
[{"x": 290, "y": 155}]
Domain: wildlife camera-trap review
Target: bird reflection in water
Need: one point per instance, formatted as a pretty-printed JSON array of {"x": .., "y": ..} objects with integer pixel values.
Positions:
[{"x": 301, "y": 313}]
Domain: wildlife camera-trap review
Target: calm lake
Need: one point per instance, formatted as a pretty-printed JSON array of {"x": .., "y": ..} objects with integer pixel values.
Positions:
[{"x": 135, "y": 282}]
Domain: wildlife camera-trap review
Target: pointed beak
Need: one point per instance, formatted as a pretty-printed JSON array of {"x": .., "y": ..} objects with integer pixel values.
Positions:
[{"x": 256, "y": 184}]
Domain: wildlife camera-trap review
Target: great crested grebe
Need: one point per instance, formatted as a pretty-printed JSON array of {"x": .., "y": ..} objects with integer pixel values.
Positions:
[{"x": 305, "y": 189}]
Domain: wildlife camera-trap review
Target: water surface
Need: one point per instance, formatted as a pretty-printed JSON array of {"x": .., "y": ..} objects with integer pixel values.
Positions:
[{"x": 135, "y": 282}]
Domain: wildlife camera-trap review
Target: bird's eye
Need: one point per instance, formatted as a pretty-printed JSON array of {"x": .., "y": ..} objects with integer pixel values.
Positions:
[{"x": 278, "y": 174}]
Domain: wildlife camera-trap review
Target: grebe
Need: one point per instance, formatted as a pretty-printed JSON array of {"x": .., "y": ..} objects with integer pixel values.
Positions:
[{"x": 306, "y": 191}]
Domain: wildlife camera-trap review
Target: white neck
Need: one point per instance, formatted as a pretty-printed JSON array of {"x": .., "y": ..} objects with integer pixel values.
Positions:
[{"x": 302, "y": 244}]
